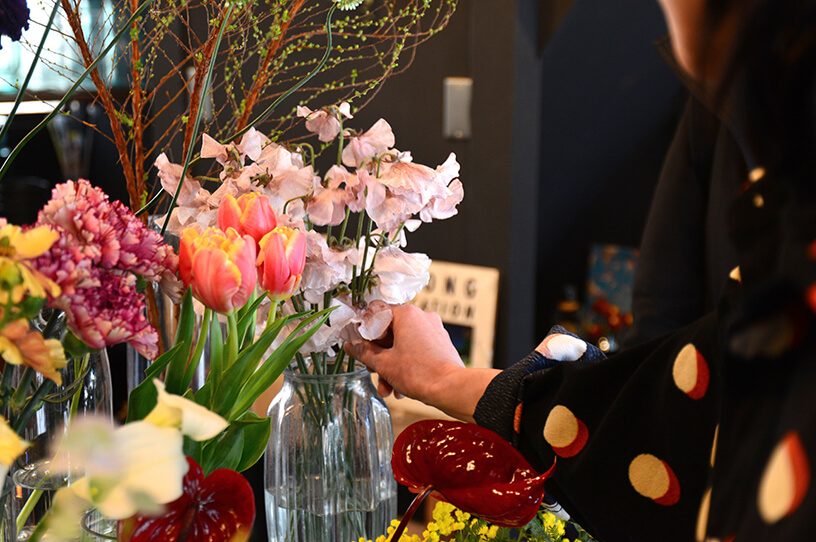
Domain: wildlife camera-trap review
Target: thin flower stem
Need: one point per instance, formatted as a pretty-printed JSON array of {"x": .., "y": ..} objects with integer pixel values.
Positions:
[
  {"x": 34, "y": 131},
  {"x": 410, "y": 513},
  {"x": 150, "y": 203},
  {"x": 21, "y": 393},
  {"x": 273, "y": 314},
  {"x": 194, "y": 136},
  {"x": 34, "y": 63},
  {"x": 199, "y": 349},
  {"x": 28, "y": 507},
  {"x": 232, "y": 339},
  {"x": 32, "y": 405},
  {"x": 345, "y": 223},
  {"x": 79, "y": 371},
  {"x": 299, "y": 84}
]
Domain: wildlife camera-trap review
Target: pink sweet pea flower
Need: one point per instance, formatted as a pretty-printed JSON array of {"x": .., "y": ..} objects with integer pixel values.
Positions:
[
  {"x": 219, "y": 266},
  {"x": 281, "y": 262},
  {"x": 250, "y": 214},
  {"x": 376, "y": 141},
  {"x": 325, "y": 122}
]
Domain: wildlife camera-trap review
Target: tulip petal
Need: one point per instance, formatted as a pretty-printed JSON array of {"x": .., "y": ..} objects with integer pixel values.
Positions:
[{"x": 470, "y": 467}]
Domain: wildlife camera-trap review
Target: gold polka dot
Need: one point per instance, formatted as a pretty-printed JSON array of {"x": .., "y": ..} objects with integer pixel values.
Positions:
[
  {"x": 759, "y": 201},
  {"x": 702, "y": 516},
  {"x": 690, "y": 372},
  {"x": 785, "y": 481},
  {"x": 714, "y": 445},
  {"x": 756, "y": 174},
  {"x": 654, "y": 479},
  {"x": 564, "y": 432},
  {"x": 735, "y": 274}
]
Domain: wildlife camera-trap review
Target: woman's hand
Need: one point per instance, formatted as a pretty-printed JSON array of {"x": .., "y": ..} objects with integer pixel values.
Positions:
[{"x": 418, "y": 360}]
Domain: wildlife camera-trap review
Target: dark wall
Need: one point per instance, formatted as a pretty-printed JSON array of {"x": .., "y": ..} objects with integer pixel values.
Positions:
[{"x": 609, "y": 106}]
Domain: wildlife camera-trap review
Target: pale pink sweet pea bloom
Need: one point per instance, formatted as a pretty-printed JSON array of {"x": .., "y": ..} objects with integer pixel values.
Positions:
[
  {"x": 233, "y": 156},
  {"x": 373, "y": 143},
  {"x": 170, "y": 174},
  {"x": 400, "y": 275},
  {"x": 325, "y": 267},
  {"x": 325, "y": 122},
  {"x": 442, "y": 206},
  {"x": 281, "y": 261},
  {"x": 327, "y": 204},
  {"x": 355, "y": 324},
  {"x": 250, "y": 214},
  {"x": 219, "y": 266}
]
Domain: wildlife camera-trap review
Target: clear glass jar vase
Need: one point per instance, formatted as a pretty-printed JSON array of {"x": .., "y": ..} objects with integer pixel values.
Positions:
[{"x": 328, "y": 462}]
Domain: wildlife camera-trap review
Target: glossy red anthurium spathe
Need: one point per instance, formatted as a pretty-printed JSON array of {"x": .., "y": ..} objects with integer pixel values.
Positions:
[
  {"x": 216, "y": 508},
  {"x": 470, "y": 467}
]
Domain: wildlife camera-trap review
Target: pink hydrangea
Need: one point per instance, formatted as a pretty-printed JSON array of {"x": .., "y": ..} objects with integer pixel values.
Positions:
[{"x": 102, "y": 248}]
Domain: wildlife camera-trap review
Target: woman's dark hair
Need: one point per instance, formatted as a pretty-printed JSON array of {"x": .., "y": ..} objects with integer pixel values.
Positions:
[{"x": 772, "y": 76}]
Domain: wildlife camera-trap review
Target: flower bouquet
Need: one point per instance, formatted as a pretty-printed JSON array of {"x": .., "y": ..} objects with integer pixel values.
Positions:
[{"x": 329, "y": 246}]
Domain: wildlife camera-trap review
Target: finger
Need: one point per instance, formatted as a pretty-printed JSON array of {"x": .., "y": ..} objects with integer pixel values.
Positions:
[
  {"x": 365, "y": 351},
  {"x": 384, "y": 389}
]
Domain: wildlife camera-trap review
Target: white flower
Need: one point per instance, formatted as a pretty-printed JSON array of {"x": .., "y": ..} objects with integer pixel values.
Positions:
[
  {"x": 170, "y": 174},
  {"x": 325, "y": 268},
  {"x": 132, "y": 469},
  {"x": 373, "y": 143},
  {"x": 356, "y": 324},
  {"x": 192, "y": 419},
  {"x": 327, "y": 204},
  {"x": 443, "y": 205},
  {"x": 400, "y": 275}
]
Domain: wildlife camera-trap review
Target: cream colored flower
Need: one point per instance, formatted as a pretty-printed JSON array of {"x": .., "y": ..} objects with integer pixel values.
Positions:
[
  {"x": 192, "y": 419},
  {"x": 132, "y": 469}
]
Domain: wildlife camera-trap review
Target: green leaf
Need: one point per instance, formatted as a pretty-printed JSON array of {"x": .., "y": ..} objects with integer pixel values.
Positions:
[
  {"x": 235, "y": 376},
  {"x": 193, "y": 449},
  {"x": 174, "y": 380},
  {"x": 216, "y": 349},
  {"x": 223, "y": 452},
  {"x": 257, "y": 431},
  {"x": 247, "y": 317},
  {"x": 162, "y": 361},
  {"x": 142, "y": 400},
  {"x": 276, "y": 363}
]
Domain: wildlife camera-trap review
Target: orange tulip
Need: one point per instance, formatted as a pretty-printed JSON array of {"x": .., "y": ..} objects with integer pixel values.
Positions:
[
  {"x": 281, "y": 262},
  {"x": 219, "y": 266},
  {"x": 251, "y": 214}
]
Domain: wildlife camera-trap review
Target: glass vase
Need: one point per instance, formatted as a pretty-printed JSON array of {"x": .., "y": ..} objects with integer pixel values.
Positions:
[
  {"x": 328, "y": 462},
  {"x": 86, "y": 389}
]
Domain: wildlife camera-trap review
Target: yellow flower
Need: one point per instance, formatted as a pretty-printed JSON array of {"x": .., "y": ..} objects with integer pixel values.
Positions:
[
  {"x": 17, "y": 277},
  {"x": 20, "y": 345},
  {"x": 192, "y": 419},
  {"x": 11, "y": 445}
]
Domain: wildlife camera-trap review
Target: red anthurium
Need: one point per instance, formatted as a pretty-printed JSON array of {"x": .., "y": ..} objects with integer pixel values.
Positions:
[
  {"x": 216, "y": 508},
  {"x": 470, "y": 467}
]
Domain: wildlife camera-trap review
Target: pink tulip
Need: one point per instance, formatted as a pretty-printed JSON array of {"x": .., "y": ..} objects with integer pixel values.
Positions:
[
  {"x": 281, "y": 262},
  {"x": 251, "y": 214},
  {"x": 219, "y": 266}
]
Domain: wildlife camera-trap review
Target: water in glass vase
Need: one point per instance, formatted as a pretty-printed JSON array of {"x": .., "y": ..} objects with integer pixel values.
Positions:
[{"x": 285, "y": 524}]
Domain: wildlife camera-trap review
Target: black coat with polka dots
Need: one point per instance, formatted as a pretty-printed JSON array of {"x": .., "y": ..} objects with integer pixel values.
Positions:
[{"x": 707, "y": 433}]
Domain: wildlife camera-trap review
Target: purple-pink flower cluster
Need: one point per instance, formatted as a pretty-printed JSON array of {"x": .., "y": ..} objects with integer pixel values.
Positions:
[{"x": 102, "y": 247}]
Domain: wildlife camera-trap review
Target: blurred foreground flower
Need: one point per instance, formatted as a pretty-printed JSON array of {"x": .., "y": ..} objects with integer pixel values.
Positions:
[
  {"x": 13, "y": 18},
  {"x": 11, "y": 446},
  {"x": 220, "y": 504}
]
